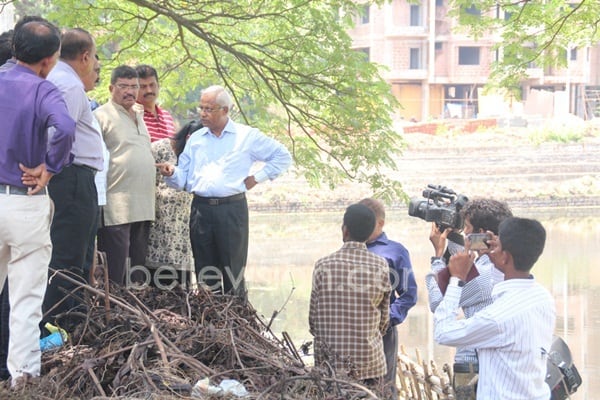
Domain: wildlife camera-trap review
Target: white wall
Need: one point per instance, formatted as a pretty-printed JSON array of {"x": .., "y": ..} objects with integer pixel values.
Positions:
[{"x": 7, "y": 17}]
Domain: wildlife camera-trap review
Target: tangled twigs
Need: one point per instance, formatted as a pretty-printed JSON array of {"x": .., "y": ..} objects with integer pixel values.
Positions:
[{"x": 159, "y": 344}]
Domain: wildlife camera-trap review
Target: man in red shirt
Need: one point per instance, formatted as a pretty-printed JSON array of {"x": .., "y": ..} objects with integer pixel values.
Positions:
[{"x": 158, "y": 120}]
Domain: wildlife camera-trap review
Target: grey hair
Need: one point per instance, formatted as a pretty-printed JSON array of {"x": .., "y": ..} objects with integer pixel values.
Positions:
[{"x": 223, "y": 98}]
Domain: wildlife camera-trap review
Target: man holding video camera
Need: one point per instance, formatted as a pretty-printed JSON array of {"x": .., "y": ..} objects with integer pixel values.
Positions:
[{"x": 480, "y": 216}]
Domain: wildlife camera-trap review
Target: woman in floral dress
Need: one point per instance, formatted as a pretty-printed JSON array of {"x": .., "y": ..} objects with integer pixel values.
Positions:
[{"x": 169, "y": 251}]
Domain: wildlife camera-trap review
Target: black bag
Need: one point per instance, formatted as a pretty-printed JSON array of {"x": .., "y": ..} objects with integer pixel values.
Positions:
[{"x": 562, "y": 375}]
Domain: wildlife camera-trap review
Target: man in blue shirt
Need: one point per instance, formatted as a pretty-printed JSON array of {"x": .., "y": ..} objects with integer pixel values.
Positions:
[
  {"x": 29, "y": 106},
  {"x": 215, "y": 166},
  {"x": 404, "y": 293}
]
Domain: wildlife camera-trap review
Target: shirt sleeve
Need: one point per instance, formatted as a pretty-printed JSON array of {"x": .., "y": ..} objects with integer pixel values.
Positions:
[
  {"x": 405, "y": 290},
  {"x": 479, "y": 331},
  {"x": 314, "y": 300},
  {"x": 184, "y": 164},
  {"x": 276, "y": 157},
  {"x": 54, "y": 109},
  {"x": 433, "y": 290},
  {"x": 384, "y": 305}
]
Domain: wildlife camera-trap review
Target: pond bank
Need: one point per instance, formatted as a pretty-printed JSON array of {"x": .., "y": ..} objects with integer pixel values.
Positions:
[{"x": 482, "y": 164}]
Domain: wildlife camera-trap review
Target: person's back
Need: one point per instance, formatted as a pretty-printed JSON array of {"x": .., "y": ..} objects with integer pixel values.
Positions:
[
  {"x": 22, "y": 83},
  {"x": 349, "y": 303},
  {"x": 522, "y": 308}
]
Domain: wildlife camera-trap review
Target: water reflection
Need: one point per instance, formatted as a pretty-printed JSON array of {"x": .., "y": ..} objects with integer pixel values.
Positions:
[{"x": 284, "y": 248}]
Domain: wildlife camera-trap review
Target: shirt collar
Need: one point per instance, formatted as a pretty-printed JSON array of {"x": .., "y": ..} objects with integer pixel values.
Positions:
[
  {"x": 354, "y": 245},
  {"x": 66, "y": 68},
  {"x": 229, "y": 128},
  {"x": 512, "y": 284},
  {"x": 381, "y": 239}
]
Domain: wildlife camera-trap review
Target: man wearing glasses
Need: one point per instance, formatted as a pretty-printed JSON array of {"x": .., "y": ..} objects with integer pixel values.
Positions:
[
  {"x": 130, "y": 182},
  {"x": 73, "y": 190},
  {"x": 215, "y": 167}
]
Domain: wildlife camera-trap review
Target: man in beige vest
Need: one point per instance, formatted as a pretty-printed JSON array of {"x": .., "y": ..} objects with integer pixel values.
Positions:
[{"x": 130, "y": 182}]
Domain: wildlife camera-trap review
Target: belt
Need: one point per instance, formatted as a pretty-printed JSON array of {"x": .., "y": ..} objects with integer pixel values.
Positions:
[
  {"x": 86, "y": 167},
  {"x": 9, "y": 189},
  {"x": 466, "y": 368},
  {"x": 217, "y": 201}
]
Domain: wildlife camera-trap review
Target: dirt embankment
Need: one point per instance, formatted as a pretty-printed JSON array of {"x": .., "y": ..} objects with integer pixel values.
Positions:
[{"x": 505, "y": 166}]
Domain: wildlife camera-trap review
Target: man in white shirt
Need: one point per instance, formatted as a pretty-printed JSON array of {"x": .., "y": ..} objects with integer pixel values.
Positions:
[{"x": 510, "y": 333}]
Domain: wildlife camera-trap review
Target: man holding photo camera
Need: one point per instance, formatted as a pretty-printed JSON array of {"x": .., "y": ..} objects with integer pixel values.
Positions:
[
  {"x": 511, "y": 333},
  {"x": 480, "y": 216}
]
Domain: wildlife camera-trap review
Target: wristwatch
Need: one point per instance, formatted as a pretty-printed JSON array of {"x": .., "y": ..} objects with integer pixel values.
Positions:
[
  {"x": 436, "y": 259},
  {"x": 455, "y": 281}
]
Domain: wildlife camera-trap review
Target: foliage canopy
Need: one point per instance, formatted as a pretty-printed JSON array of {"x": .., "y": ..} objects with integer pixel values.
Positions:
[
  {"x": 532, "y": 32},
  {"x": 288, "y": 64}
]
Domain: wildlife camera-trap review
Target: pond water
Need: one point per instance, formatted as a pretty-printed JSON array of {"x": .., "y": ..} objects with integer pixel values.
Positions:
[{"x": 284, "y": 248}]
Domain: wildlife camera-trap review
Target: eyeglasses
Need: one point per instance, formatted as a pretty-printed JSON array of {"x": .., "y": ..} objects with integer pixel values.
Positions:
[
  {"x": 207, "y": 110},
  {"x": 123, "y": 86}
]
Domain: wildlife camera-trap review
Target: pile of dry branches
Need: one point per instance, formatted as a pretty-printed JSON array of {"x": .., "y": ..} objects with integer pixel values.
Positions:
[{"x": 157, "y": 344}]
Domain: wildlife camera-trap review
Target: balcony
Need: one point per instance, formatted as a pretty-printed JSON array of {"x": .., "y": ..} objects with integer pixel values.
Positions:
[{"x": 406, "y": 75}]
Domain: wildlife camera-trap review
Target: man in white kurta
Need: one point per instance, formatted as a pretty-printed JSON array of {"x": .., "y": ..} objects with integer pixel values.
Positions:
[{"x": 130, "y": 187}]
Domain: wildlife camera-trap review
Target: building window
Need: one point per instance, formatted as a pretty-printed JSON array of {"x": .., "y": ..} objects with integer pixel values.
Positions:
[
  {"x": 415, "y": 58},
  {"x": 439, "y": 3},
  {"x": 472, "y": 10},
  {"x": 366, "y": 51},
  {"x": 573, "y": 54},
  {"x": 438, "y": 46},
  {"x": 364, "y": 15},
  {"x": 415, "y": 15},
  {"x": 468, "y": 55}
]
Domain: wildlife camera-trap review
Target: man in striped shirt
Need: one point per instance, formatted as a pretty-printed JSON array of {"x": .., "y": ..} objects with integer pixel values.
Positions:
[
  {"x": 509, "y": 334},
  {"x": 159, "y": 121},
  {"x": 479, "y": 215}
]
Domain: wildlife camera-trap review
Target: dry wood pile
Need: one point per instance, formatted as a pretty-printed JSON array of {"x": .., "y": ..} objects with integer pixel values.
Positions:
[{"x": 157, "y": 344}]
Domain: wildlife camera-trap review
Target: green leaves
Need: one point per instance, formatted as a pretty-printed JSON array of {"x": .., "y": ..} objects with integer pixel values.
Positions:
[
  {"x": 289, "y": 65},
  {"x": 533, "y": 34}
]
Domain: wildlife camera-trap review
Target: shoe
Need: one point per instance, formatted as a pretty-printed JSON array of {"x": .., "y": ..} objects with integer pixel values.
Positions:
[{"x": 20, "y": 382}]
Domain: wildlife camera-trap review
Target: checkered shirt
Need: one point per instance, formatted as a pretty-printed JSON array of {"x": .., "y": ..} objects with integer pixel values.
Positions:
[{"x": 349, "y": 311}]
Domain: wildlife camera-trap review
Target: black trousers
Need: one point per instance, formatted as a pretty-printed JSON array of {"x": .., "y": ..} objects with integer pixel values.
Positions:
[
  {"x": 390, "y": 348},
  {"x": 219, "y": 238},
  {"x": 121, "y": 242},
  {"x": 73, "y": 192}
]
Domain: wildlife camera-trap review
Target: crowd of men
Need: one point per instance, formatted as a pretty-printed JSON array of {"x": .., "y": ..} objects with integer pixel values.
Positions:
[{"x": 73, "y": 172}]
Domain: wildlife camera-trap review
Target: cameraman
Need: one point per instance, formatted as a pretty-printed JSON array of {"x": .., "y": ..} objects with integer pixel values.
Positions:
[{"x": 480, "y": 216}]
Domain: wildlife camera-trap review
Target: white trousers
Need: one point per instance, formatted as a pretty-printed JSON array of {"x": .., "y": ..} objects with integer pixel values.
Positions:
[{"x": 25, "y": 250}]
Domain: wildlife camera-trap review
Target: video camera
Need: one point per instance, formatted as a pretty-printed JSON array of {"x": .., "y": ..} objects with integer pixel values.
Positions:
[{"x": 440, "y": 205}]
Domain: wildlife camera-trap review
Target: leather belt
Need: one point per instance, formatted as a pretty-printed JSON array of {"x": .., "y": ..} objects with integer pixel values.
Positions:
[
  {"x": 465, "y": 368},
  {"x": 86, "y": 167},
  {"x": 9, "y": 189},
  {"x": 217, "y": 201}
]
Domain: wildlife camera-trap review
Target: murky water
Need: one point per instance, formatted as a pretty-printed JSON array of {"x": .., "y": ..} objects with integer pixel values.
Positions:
[{"x": 284, "y": 248}]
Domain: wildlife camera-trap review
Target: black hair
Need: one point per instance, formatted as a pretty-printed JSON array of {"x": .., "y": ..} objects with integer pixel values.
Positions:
[
  {"x": 524, "y": 239},
  {"x": 74, "y": 42},
  {"x": 146, "y": 71},
  {"x": 182, "y": 135},
  {"x": 35, "y": 40},
  {"x": 123, "y": 71},
  {"x": 359, "y": 220},
  {"x": 486, "y": 214},
  {"x": 6, "y": 46}
]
